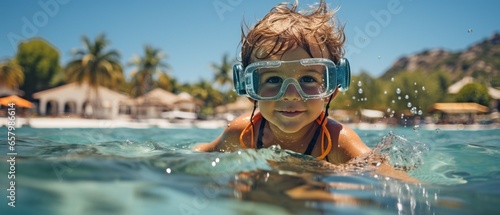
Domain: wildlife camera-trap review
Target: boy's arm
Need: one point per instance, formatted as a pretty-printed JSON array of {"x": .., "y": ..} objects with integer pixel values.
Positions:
[
  {"x": 229, "y": 140},
  {"x": 207, "y": 147},
  {"x": 346, "y": 144}
]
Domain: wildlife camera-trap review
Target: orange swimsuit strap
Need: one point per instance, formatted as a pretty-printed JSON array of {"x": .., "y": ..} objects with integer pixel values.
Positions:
[{"x": 325, "y": 149}]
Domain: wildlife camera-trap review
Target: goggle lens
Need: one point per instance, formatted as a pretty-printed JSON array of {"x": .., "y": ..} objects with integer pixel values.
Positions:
[{"x": 272, "y": 83}]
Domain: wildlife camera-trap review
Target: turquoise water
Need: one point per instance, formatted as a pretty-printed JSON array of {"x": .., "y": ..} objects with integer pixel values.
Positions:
[{"x": 154, "y": 171}]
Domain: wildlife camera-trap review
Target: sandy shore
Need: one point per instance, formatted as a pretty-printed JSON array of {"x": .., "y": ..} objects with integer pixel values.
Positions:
[{"x": 111, "y": 123}]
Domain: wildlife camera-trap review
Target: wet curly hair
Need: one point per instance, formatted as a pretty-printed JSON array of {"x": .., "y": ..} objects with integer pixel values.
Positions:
[{"x": 284, "y": 28}]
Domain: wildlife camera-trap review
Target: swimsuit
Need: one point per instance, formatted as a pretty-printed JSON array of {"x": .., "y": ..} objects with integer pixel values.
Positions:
[{"x": 322, "y": 129}]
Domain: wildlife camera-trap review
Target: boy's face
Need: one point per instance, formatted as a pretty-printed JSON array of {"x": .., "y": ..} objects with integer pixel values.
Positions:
[{"x": 291, "y": 114}]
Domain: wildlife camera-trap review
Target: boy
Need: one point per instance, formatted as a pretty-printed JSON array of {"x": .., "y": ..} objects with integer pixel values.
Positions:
[{"x": 292, "y": 67}]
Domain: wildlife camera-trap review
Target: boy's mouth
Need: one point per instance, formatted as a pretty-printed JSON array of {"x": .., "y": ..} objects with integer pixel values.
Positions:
[{"x": 290, "y": 113}]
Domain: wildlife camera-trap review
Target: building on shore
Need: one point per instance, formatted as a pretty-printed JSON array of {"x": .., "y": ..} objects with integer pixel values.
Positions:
[
  {"x": 80, "y": 100},
  {"x": 77, "y": 99}
]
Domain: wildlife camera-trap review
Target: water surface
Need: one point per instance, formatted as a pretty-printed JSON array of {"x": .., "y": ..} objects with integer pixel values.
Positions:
[{"x": 154, "y": 171}]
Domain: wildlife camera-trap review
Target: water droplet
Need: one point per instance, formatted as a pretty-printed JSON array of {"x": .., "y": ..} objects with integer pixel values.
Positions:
[
  {"x": 385, "y": 92},
  {"x": 399, "y": 97},
  {"x": 415, "y": 83},
  {"x": 398, "y": 91},
  {"x": 360, "y": 84},
  {"x": 407, "y": 96},
  {"x": 353, "y": 97},
  {"x": 419, "y": 112},
  {"x": 416, "y": 91},
  {"x": 168, "y": 170},
  {"x": 379, "y": 57},
  {"x": 360, "y": 91},
  {"x": 393, "y": 101},
  {"x": 416, "y": 127},
  {"x": 469, "y": 30},
  {"x": 217, "y": 160},
  {"x": 437, "y": 130},
  {"x": 423, "y": 88},
  {"x": 388, "y": 110},
  {"x": 413, "y": 109},
  {"x": 213, "y": 163},
  {"x": 392, "y": 79}
]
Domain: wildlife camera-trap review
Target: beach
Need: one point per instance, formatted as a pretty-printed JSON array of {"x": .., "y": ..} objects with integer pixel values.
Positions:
[{"x": 75, "y": 122}]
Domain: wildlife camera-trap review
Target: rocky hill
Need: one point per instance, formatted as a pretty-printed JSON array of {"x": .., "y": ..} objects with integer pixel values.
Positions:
[{"x": 481, "y": 60}]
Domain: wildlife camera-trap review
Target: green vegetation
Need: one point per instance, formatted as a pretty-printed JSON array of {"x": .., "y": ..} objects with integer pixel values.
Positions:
[
  {"x": 408, "y": 93},
  {"x": 40, "y": 64},
  {"x": 148, "y": 71},
  {"x": 11, "y": 74},
  {"x": 474, "y": 92}
]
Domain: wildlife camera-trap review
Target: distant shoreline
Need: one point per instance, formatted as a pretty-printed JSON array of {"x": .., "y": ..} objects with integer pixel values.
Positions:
[
  {"x": 52, "y": 122},
  {"x": 74, "y": 122}
]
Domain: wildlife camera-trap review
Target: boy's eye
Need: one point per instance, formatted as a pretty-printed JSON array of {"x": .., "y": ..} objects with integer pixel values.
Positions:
[
  {"x": 274, "y": 80},
  {"x": 308, "y": 79}
]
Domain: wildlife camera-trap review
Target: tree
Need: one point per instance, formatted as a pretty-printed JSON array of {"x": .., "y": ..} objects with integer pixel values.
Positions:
[
  {"x": 223, "y": 75},
  {"x": 11, "y": 74},
  {"x": 210, "y": 96},
  {"x": 223, "y": 71},
  {"x": 167, "y": 83},
  {"x": 40, "y": 63},
  {"x": 474, "y": 92},
  {"x": 149, "y": 68},
  {"x": 96, "y": 67}
]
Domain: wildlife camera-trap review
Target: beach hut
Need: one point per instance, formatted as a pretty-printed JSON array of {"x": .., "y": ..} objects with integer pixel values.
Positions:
[
  {"x": 240, "y": 106},
  {"x": 158, "y": 103},
  {"x": 458, "y": 113}
]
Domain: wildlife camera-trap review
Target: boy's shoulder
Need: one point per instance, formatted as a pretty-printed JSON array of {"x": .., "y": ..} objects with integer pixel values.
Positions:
[
  {"x": 348, "y": 142},
  {"x": 338, "y": 129},
  {"x": 240, "y": 122},
  {"x": 230, "y": 138}
]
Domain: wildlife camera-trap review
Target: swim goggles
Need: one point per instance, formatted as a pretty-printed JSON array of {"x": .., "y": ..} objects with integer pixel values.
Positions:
[{"x": 313, "y": 78}]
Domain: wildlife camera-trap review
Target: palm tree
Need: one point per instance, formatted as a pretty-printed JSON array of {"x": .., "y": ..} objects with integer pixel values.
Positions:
[
  {"x": 210, "y": 96},
  {"x": 96, "y": 67},
  {"x": 11, "y": 74},
  {"x": 223, "y": 72},
  {"x": 223, "y": 75},
  {"x": 149, "y": 68},
  {"x": 167, "y": 83}
]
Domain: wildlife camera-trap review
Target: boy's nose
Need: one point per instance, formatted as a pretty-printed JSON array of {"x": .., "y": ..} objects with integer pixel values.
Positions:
[{"x": 291, "y": 93}]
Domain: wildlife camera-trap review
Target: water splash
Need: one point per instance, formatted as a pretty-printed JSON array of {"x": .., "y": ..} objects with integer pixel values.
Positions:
[{"x": 401, "y": 152}]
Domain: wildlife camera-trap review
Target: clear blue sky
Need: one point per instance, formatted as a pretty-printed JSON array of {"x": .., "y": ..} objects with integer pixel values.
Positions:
[{"x": 195, "y": 34}]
